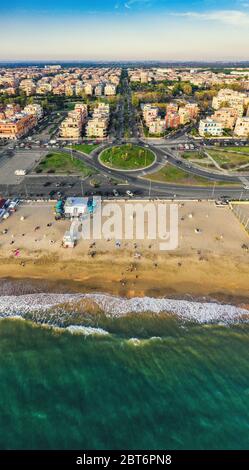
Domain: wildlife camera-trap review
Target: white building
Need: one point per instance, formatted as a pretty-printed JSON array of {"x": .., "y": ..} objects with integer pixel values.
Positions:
[
  {"x": 110, "y": 89},
  {"x": 210, "y": 127},
  {"x": 75, "y": 206}
]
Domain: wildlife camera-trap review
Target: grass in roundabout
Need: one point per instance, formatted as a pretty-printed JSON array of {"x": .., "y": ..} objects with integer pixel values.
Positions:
[{"x": 127, "y": 157}]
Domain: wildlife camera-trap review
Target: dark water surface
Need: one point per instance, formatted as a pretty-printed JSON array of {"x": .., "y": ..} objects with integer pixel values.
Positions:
[{"x": 176, "y": 387}]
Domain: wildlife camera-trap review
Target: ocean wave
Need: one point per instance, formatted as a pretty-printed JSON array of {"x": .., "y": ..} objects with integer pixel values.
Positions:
[
  {"x": 111, "y": 306},
  {"x": 86, "y": 330}
]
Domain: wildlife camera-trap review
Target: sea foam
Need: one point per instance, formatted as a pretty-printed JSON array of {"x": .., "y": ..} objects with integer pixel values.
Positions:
[{"x": 199, "y": 312}]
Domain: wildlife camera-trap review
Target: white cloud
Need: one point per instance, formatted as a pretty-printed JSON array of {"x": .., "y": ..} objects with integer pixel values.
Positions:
[{"x": 232, "y": 17}]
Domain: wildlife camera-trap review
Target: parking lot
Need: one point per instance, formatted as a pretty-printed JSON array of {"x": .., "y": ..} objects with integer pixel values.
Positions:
[{"x": 18, "y": 160}]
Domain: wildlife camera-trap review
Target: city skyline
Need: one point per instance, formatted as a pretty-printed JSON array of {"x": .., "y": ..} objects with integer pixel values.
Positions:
[{"x": 125, "y": 30}]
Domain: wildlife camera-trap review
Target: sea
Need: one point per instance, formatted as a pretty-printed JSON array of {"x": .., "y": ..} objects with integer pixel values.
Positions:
[{"x": 93, "y": 371}]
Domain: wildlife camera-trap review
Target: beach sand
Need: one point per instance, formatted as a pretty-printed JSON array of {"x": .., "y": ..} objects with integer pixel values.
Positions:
[{"x": 211, "y": 263}]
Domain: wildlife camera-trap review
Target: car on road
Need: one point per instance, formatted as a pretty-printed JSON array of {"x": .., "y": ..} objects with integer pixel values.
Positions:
[
  {"x": 48, "y": 183},
  {"x": 115, "y": 193},
  {"x": 129, "y": 193},
  {"x": 52, "y": 193}
]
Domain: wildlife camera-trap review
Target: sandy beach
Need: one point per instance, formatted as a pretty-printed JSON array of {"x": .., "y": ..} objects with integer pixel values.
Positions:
[{"x": 211, "y": 259}]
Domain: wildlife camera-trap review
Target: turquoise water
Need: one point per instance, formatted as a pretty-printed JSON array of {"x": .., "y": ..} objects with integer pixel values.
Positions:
[{"x": 188, "y": 389}]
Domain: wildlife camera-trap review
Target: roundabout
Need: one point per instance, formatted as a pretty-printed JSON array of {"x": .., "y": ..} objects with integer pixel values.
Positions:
[{"x": 127, "y": 157}]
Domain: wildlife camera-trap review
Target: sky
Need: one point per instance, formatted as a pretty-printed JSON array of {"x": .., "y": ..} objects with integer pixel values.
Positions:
[{"x": 124, "y": 30}]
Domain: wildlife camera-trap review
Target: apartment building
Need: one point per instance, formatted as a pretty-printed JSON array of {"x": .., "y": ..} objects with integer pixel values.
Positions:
[
  {"x": 184, "y": 116},
  {"x": 172, "y": 108},
  {"x": 97, "y": 128},
  {"x": 172, "y": 120},
  {"x": 110, "y": 89},
  {"x": 71, "y": 127},
  {"x": 150, "y": 113},
  {"x": 98, "y": 125},
  {"x": 28, "y": 86},
  {"x": 99, "y": 89},
  {"x": 157, "y": 126},
  {"x": 34, "y": 109},
  {"x": 79, "y": 88},
  {"x": 233, "y": 99},
  {"x": 43, "y": 88},
  {"x": 193, "y": 110},
  {"x": 210, "y": 127},
  {"x": 226, "y": 116},
  {"x": 88, "y": 88},
  {"x": 17, "y": 126},
  {"x": 242, "y": 127},
  {"x": 11, "y": 110}
]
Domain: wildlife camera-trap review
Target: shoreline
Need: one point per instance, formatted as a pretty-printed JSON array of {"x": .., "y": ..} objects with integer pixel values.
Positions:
[{"x": 214, "y": 280}]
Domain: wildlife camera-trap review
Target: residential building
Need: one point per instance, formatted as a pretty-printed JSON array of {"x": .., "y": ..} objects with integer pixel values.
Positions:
[
  {"x": 97, "y": 128},
  {"x": 193, "y": 110},
  {"x": 71, "y": 127},
  {"x": 184, "y": 115},
  {"x": 232, "y": 99},
  {"x": 242, "y": 127},
  {"x": 210, "y": 127},
  {"x": 172, "y": 120},
  {"x": 110, "y": 89},
  {"x": 226, "y": 116},
  {"x": 88, "y": 88},
  {"x": 149, "y": 113},
  {"x": 99, "y": 90},
  {"x": 28, "y": 86},
  {"x": 157, "y": 126},
  {"x": 34, "y": 109},
  {"x": 172, "y": 108},
  {"x": 17, "y": 126}
]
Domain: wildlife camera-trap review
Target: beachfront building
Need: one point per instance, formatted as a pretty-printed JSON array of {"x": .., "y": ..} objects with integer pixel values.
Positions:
[
  {"x": 210, "y": 127},
  {"x": 242, "y": 127},
  {"x": 75, "y": 207}
]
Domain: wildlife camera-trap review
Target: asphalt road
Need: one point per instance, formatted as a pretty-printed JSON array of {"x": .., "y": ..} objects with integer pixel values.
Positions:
[{"x": 35, "y": 186}]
